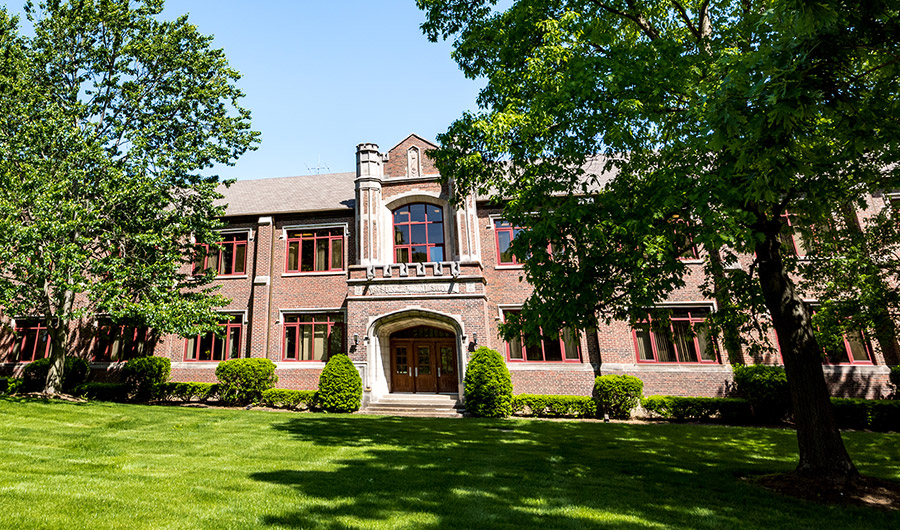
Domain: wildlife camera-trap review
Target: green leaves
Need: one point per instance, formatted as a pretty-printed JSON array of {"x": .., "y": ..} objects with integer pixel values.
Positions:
[{"x": 109, "y": 115}]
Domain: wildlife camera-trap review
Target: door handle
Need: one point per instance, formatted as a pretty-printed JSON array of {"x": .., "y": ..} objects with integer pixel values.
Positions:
[
  {"x": 439, "y": 371},
  {"x": 416, "y": 369}
]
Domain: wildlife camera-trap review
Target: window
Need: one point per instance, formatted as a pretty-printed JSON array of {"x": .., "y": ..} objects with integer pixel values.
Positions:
[
  {"x": 853, "y": 348},
  {"x": 315, "y": 250},
  {"x": 684, "y": 241},
  {"x": 313, "y": 337},
  {"x": 32, "y": 342},
  {"x": 212, "y": 347},
  {"x": 116, "y": 342},
  {"x": 418, "y": 233},
  {"x": 683, "y": 340},
  {"x": 564, "y": 347},
  {"x": 230, "y": 260},
  {"x": 505, "y": 232}
]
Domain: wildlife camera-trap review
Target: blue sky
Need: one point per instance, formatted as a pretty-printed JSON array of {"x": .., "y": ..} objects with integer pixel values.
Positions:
[{"x": 321, "y": 77}]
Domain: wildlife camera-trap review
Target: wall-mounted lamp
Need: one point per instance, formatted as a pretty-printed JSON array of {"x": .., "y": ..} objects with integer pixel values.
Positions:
[
  {"x": 355, "y": 339},
  {"x": 475, "y": 337}
]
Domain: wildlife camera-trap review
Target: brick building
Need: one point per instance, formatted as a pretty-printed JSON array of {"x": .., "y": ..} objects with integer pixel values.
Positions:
[{"x": 379, "y": 264}]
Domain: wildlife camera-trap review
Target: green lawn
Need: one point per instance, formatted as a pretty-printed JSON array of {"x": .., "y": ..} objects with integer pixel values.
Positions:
[{"x": 127, "y": 466}]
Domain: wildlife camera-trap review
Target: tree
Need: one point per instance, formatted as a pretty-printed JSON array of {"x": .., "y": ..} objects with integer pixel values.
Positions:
[
  {"x": 109, "y": 115},
  {"x": 653, "y": 123}
]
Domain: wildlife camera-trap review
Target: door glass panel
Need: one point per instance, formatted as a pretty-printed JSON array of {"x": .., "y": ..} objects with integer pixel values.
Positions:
[
  {"x": 447, "y": 363},
  {"x": 402, "y": 362},
  {"x": 424, "y": 360}
]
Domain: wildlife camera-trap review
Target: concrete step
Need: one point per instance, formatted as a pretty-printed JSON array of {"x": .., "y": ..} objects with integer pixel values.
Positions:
[
  {"x": 435, "y": 399},
  {"x": 422, "y": 405},
  {"x": 435, "y": 412}
]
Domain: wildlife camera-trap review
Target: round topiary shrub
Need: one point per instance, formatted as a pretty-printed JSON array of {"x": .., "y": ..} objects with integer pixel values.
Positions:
[
  {"x": 145, "y": 376},
  {"x": 488, "y": 386},
  {"x": 617, "y": 395},
  {"x": 340, "y": 387},
  {"x": 34, "y": 375},
  {"x": 242, "y": 381},
  {"x": 766, "y": 388}
]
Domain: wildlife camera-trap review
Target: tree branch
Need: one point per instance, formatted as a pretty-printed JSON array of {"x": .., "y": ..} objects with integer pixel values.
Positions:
[
  {"x": 638, "y": 19},
  {"x": 687, "y": 20}
]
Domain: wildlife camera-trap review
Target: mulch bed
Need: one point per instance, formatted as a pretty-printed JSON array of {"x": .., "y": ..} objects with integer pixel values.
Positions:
[{"x": 859, "y": 491}]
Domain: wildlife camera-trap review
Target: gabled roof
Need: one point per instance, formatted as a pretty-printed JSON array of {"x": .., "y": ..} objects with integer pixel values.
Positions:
[
  {"x": 307, "y": 193},
  {"x": 412, "y": 135}
]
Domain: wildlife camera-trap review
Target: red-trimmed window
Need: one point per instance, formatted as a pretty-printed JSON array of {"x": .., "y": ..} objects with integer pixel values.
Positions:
[
  {"x": 684, "y": 340},
  {"x": 854, "y": 348},
  {"x": 313, "y": 337},
  {"x": 212, "y": 347},
  {"x": 418, "y": 233},
  {"x": 319, "y": 250},
  {"x": 230, "y": 260},
  {"x": 563, "y": 347},
  {"x": 32, "y": 342},
  {"x": 505, "y": 232},
  {"x": 116, "y": 342},
  {"x": 791, "y": 238},
  {"x": 684, "y": 241}
]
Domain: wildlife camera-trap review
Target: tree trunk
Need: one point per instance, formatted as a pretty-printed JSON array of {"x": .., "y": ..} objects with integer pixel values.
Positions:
[
  {"x": 57, "y": 358},
  {"x": 58, "y": 329},
  {"x": 822, "y": 451}
]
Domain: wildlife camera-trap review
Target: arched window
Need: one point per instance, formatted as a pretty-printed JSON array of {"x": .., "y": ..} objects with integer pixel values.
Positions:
[{"x": 418, "y": 233}]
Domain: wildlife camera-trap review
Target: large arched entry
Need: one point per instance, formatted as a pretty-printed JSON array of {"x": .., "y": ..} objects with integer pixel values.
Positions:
[{"x": 424, "y": 360}]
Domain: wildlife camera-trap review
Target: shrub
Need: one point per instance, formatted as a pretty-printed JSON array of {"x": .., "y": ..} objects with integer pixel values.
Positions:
[
  {"x": 874, "y": 414},
  {"x": 145, "y": 376},
  {"x": 103, "y": 391},
  {"x": 10, "y": 385},
  {"x": 617, "y": 395},
  {"x": 340, "y": 387},
  {"x": 34, "y": 375},
  {"x": 280, "y": 398},
  {"x": 730, "y": 410},
  {"x": 487, "y": 385},
  {"x": 554, "y": 406},
  {"x": 895, "y": 380},
  {"x": 188, "y": 391},
  {"x": 242, "y": 381},
  {"x": 766, "y": 388}
]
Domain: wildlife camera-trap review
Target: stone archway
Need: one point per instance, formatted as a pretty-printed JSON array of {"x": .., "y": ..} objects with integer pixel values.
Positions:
[{"x": 408, "y": 327}]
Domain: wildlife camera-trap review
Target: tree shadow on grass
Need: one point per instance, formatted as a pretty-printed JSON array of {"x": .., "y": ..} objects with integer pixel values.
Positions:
[{"x": 435, "y": 473}]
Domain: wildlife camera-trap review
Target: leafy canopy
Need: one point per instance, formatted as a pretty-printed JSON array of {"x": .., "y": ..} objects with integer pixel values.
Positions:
[
  {"x": 658, "y": 123},
  {"x": 109, "y": 117}
]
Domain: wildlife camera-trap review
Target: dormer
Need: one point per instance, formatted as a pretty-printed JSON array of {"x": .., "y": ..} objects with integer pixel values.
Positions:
[{"x": 409, "y": 160}]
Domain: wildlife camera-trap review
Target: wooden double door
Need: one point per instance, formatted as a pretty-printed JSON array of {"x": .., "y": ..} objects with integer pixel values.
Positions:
[{"x": 424, "y": 365}]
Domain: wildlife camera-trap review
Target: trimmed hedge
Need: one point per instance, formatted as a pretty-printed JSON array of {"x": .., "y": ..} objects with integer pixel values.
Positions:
[
  {"x": 488, "y": 386},
  {"x": 280, "y": 398},
  {"x": 617, "y": 395},
  {"x": 103, "y": 391},
  {"x": 873, "y": 414},
  {"x": 766, "y": 388},
  {"x": 188, "y": 391},
  {"x": 34, "y": 375},
  {"x": 551, "y": 406},
  {"x": 730, "y": 410},
  {"x": 340, "y": 387},
  {"x": 242, "y": 381},
  {"x": 145, "y": 376},
  {"x": 10, "y": 385}
]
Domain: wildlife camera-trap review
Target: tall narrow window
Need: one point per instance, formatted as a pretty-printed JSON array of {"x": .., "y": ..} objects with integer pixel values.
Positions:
[
  {"x": 853, "y": 348},
  {"x": 505, "y": 232},
  {"x": 315, "y": 250},
  {"x": 313, "y": 337},
  {"x": 791, "y": 236},
  {"x": 559, "y": 347},
  {"x": 230, "y": 260},
  {"x": 684, "y": 340},
  {"x": 212, "y": 347},
  {"x": 418, "y": 233},
  {"x": 32, "y": 342}
]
